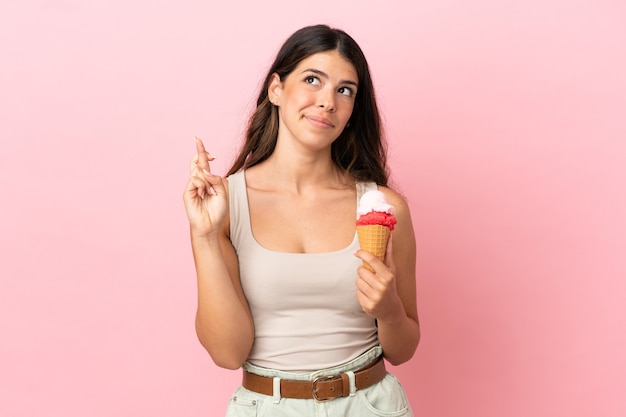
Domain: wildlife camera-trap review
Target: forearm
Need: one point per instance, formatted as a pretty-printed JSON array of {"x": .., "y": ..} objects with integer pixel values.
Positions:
[
  {"x": 399, "y": 338},
  {"x": 223, "y": 322}
]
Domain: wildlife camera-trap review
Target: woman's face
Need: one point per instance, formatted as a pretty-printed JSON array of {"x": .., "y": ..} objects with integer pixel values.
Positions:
[{"x": 315, "y": 101}]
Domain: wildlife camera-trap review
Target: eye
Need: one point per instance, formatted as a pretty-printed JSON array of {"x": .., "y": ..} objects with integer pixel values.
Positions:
[
  {"x": 346, "y": 91},
  {"x": 312, "y": 80}
]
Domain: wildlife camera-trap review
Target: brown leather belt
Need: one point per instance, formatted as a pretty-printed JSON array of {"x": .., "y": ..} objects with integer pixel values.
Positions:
[{"x": 323, "y": 388}]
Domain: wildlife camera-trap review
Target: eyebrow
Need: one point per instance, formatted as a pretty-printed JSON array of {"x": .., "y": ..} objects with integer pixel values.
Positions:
[{"x": 323, "y": 74}]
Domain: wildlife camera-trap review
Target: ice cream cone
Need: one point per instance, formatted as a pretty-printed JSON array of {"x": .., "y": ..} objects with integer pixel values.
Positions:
[{"x": 373, "y": 239}]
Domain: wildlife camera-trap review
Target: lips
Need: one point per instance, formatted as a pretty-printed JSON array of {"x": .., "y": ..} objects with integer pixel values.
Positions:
[{"x": 319, "y": 121}]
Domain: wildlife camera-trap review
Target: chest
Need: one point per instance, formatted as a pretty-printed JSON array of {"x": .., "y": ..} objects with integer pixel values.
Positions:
[{"x": 303, "y": 224}]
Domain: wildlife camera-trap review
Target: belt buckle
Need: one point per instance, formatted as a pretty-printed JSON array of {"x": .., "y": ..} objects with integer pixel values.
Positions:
[{"x": 314, "y": 388}]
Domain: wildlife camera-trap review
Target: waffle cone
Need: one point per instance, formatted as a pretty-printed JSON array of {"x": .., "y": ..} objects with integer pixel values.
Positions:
[{"x": 373, "y": 239}]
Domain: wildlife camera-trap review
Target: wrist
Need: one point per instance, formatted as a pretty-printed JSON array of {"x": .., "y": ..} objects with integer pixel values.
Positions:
[
  {"x": 394, "y": 318},
  {"x": 204, "y": 238}
]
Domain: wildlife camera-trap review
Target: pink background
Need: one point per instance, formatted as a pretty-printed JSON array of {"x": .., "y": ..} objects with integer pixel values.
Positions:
[{"x": 507, "y": 124}]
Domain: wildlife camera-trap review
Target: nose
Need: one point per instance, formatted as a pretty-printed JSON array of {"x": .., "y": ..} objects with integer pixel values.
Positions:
[{"x": 326, "y": 100}]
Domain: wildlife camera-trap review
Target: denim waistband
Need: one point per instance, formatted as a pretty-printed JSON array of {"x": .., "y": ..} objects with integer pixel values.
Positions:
[{"x": 353, "y": 365}]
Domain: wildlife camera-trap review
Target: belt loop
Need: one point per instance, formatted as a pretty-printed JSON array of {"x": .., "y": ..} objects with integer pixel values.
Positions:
[
  {"x": 276, "y": 390},
  {"x": 352, "y": 383}
]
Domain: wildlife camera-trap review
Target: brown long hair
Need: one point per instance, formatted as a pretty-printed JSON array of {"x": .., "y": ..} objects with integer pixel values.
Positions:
[{"x": 360, "y": 149}]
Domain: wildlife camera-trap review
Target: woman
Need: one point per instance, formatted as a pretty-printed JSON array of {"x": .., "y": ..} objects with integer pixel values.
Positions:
[{"x": 282, "y": 293}]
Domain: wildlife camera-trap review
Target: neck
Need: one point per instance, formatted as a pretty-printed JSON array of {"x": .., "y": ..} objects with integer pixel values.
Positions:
[{"x": 301, "y": 172}]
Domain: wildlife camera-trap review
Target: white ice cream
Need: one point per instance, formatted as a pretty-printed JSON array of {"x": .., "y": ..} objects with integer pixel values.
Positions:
[{"x": 374, "y": 201}]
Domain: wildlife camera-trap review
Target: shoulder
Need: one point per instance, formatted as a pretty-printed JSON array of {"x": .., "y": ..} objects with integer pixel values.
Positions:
[
  {"x": 395, "y": 199},
  {"x": 404, "y": 242},
  {"x": 404, "y": 227}
]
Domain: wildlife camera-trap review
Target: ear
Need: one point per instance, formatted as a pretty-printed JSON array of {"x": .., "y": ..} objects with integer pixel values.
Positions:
[{"x": 274, "y": 89}]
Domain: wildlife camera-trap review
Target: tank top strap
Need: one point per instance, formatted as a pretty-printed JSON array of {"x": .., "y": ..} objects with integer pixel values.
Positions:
[
  {"x": 362, "y": 188},
  {"x": 240, "y": 230}
]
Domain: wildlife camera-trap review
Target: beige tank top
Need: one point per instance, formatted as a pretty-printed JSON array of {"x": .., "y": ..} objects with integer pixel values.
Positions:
[{"x": 306, "y": 314}]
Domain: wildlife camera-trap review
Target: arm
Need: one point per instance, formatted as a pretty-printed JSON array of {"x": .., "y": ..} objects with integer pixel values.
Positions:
[
  {"x": 389, "y": 294},
  {"x": 223, "y": 321}
]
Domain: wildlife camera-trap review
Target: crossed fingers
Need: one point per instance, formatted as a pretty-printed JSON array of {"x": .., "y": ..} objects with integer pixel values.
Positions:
[{"x": 199, "y": 166}]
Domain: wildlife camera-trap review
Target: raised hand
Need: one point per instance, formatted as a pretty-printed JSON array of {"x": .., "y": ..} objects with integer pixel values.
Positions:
[{"x": 205, "y": 196}]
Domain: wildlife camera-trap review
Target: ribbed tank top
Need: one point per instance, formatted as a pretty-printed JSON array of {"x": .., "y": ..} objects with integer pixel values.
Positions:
[{"x": 304, "y": 306}]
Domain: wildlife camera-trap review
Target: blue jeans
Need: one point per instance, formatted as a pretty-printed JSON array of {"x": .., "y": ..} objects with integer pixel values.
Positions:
[{"x": 386, "y": 398}]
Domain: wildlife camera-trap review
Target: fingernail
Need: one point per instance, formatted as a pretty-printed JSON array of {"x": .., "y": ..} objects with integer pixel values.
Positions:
[
  {"x": 206, "y": 172},
  {"x": 212, "y": 191}
]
